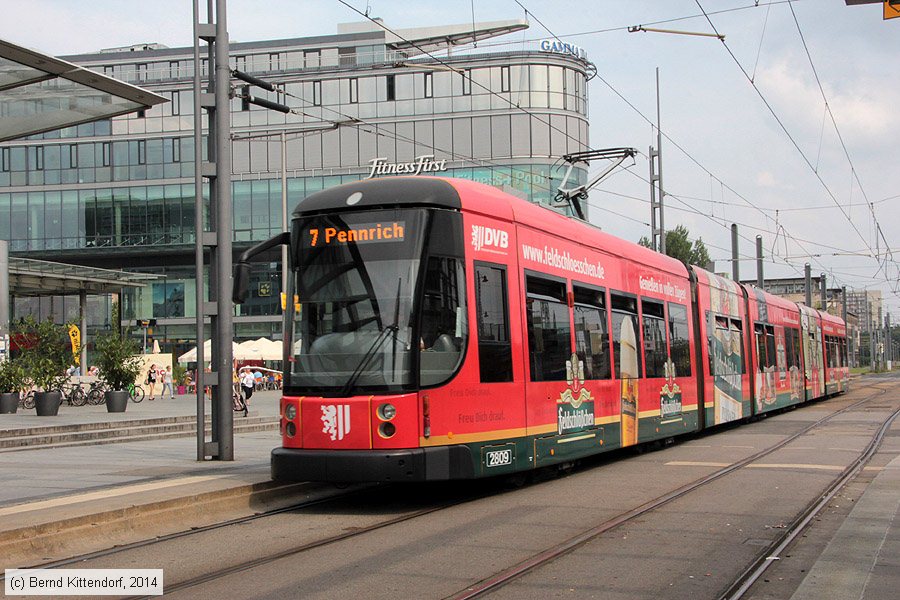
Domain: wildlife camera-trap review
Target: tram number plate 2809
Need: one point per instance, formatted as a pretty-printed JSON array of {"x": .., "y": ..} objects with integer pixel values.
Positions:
[{"x": 499, "y": 456}]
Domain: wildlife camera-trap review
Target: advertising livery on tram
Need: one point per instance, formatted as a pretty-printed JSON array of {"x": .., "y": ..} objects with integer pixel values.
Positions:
[{"x": 442, "y": 329}]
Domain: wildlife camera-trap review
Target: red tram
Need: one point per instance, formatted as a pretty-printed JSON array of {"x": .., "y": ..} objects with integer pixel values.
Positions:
[{"x": 442, "y": 329}]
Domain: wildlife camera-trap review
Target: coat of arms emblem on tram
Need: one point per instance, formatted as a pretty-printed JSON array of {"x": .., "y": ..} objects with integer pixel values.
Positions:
[{"x": 575, "y": 406}]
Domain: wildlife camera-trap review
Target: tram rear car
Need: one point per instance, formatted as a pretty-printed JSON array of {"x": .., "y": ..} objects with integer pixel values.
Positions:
[{"x": 442, "y": 329}]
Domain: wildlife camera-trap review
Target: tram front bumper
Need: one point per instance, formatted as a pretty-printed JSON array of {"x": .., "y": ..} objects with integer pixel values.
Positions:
[{"x": 417, "y": 464}]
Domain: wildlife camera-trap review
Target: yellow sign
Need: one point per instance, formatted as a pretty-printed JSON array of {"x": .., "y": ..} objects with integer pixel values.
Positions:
[
  {"x": 891, "y": 9},
  {"x": 75, "y": 336}
]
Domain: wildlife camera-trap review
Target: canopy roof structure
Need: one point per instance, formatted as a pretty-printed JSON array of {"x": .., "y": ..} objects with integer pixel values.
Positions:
[
  {"x": 41, "y": 93},
  {"x": 29, "y": 277}
]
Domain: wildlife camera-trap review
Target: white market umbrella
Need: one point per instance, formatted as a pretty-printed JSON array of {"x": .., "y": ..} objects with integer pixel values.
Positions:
[
  {"x": 191, "y": 355},
  {"x": 259, "y": 349}
]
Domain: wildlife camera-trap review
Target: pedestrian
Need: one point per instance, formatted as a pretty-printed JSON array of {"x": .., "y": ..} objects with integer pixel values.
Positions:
[
  {"x": 247, "y": 383},
  {"x": 167, "y": 383},
  {"x": 151, "y": 381}
]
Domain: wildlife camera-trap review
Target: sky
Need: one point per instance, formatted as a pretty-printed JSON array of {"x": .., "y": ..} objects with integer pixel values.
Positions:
[{"x": 789, "y": 127}]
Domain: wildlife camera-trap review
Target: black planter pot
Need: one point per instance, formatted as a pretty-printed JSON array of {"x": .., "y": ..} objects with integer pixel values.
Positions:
[
  {"x": 9, "y": 403},
  {"x": 116, "y": 400},
  {"x": 46, "y": 404}
]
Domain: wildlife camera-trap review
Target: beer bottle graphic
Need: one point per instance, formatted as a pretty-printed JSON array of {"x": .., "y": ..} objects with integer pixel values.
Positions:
[{"x": 628, "y": 361}]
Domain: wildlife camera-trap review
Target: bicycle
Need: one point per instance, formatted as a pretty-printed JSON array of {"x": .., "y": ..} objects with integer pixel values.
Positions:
[
  {"x": 96, "y": 394},
  {"x": 28, "y": 400},
  {"x": 73, "y": 394},
  {"x": 136, "y": 392},
  {"x": 237, "y": 400}
]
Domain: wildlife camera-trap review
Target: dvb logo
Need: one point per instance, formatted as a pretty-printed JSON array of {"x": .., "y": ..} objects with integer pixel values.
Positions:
[
  {"x": 486, "y": 237},
  {"x": 336, "y": 420}
]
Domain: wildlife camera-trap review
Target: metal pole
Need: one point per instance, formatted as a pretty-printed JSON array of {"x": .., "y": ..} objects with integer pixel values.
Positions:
[
  {"x": 735, "y": 261},
  {"x": 225, "y": 325},
  {"x": 654, "y": 205},
  {"x": 808, "y": 285},
  {"x": 199, "y": 228},
  {"x": 759, "y": 263},
  {"x": 82, "y": 314},
  {"x": 823, "y": 290},
  {"x": 849, "y": 333},
  {"x": 662, "y": 193},
  {"x": 284, "y": 216},
  {"x": 4, "y": 299}
]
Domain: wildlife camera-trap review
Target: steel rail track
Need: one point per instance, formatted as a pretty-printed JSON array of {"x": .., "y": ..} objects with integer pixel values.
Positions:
[
  {"x": 751, "y": 575},
  {"x": 479, "y": 589},
  {"x": 506, "y": 576},
  {"x": 340, "y": 495}
]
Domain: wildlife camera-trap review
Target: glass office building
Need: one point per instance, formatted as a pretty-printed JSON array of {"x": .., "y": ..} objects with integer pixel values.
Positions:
[{"x": 119, "y": 193}]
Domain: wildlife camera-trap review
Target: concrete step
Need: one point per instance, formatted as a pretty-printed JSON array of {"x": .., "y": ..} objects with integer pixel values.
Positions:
[
  {"x": 95, "y": 426},
  {"x": 79, "y": 435}
]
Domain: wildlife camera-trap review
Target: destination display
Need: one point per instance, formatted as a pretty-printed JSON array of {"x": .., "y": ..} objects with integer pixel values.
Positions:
[{"x": 361, "y": 233}]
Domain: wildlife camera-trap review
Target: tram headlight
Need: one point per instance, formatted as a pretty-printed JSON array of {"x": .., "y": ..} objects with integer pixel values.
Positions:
[
  {"x": 290, "y": 430},
  {"x": 386, "y": 412},
  {"x": 387, "y": 430},
  {"x": 290, "y": 412}
]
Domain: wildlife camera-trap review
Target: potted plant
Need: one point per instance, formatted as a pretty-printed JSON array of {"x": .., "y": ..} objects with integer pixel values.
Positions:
[
  {"x": 12, "y": 380},
  {"x": 179, "y": 376},
  {"x": 46, "y": 353},
  {"x": 118, "y": 358}
]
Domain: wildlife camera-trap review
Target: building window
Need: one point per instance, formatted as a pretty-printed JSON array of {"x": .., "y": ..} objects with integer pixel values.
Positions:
[
  {"x": 4, "y": 159},
  {"x": 142, "y": 72},
  {"x": 354, "y": 90},
  {"x": 141, "y": 113},
  {"x": 467, "y": 82},
  {"x": 173, "y": 69},
  {"x": 429, "y": 86},
  {"x": 347, "y": 56},
  {"x": 275, "y": 61},
  {"x": 176, "y": 149},
  {"x": 142, "y": 152},
  {"x": 504, "y": 79},
  {"x": 106, "y": 153},
  {"x": 240, "y": 63},
  {"x": 38, "y": 158},
  {"x": 176, "y": 103},
  {"x": 317, "y": 93},
  {"x": 391, "y": 87},
  {"x": 108, "y": 70},
  {"x": 312, "y": 59},
  {"x": 73, "y": 156}
]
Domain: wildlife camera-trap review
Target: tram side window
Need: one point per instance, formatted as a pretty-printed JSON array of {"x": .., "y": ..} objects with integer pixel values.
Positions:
[
  {"x": 679, "y": 340},
  {"x": 760, "y": 331},
  {"x": 494, "y": 347},
  {"x": 626, "y": 344},
  {"x": 792, "y": 347},
  {"x": 443, "y": 325},
  {"x": 722, "y": 357},
  {"x": 591, "y": 336},
  {"x": 549, "y": 330},
  {"x": 770, "y": 347},
  {"x": 737, "y": 345},
  {"x": 655, "y": 353}
]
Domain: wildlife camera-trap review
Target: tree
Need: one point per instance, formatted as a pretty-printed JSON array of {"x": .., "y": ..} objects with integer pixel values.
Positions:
[{"x": 678, "y": 245}]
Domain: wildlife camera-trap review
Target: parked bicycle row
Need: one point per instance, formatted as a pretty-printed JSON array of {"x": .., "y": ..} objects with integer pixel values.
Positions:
[{"x": 76, "y": 393}]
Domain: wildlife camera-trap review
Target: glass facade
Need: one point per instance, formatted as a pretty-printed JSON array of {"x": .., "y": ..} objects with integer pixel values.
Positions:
[{"x": 106, "y": 191}]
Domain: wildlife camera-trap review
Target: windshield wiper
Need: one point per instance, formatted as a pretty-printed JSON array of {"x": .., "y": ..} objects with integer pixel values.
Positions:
[{"x": 367, "y": 358}]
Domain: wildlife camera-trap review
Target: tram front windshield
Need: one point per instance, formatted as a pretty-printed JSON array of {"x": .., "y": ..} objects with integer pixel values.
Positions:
[{"x": 355, "y": 278}]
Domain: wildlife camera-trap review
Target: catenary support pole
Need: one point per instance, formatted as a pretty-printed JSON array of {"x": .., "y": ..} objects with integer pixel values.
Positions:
[
  {"x": 808, "y": 272},
  {"x": 735, "y": 261},
  {"x": 823, "y": 289},
  {"x": 760, "y": 279}
]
